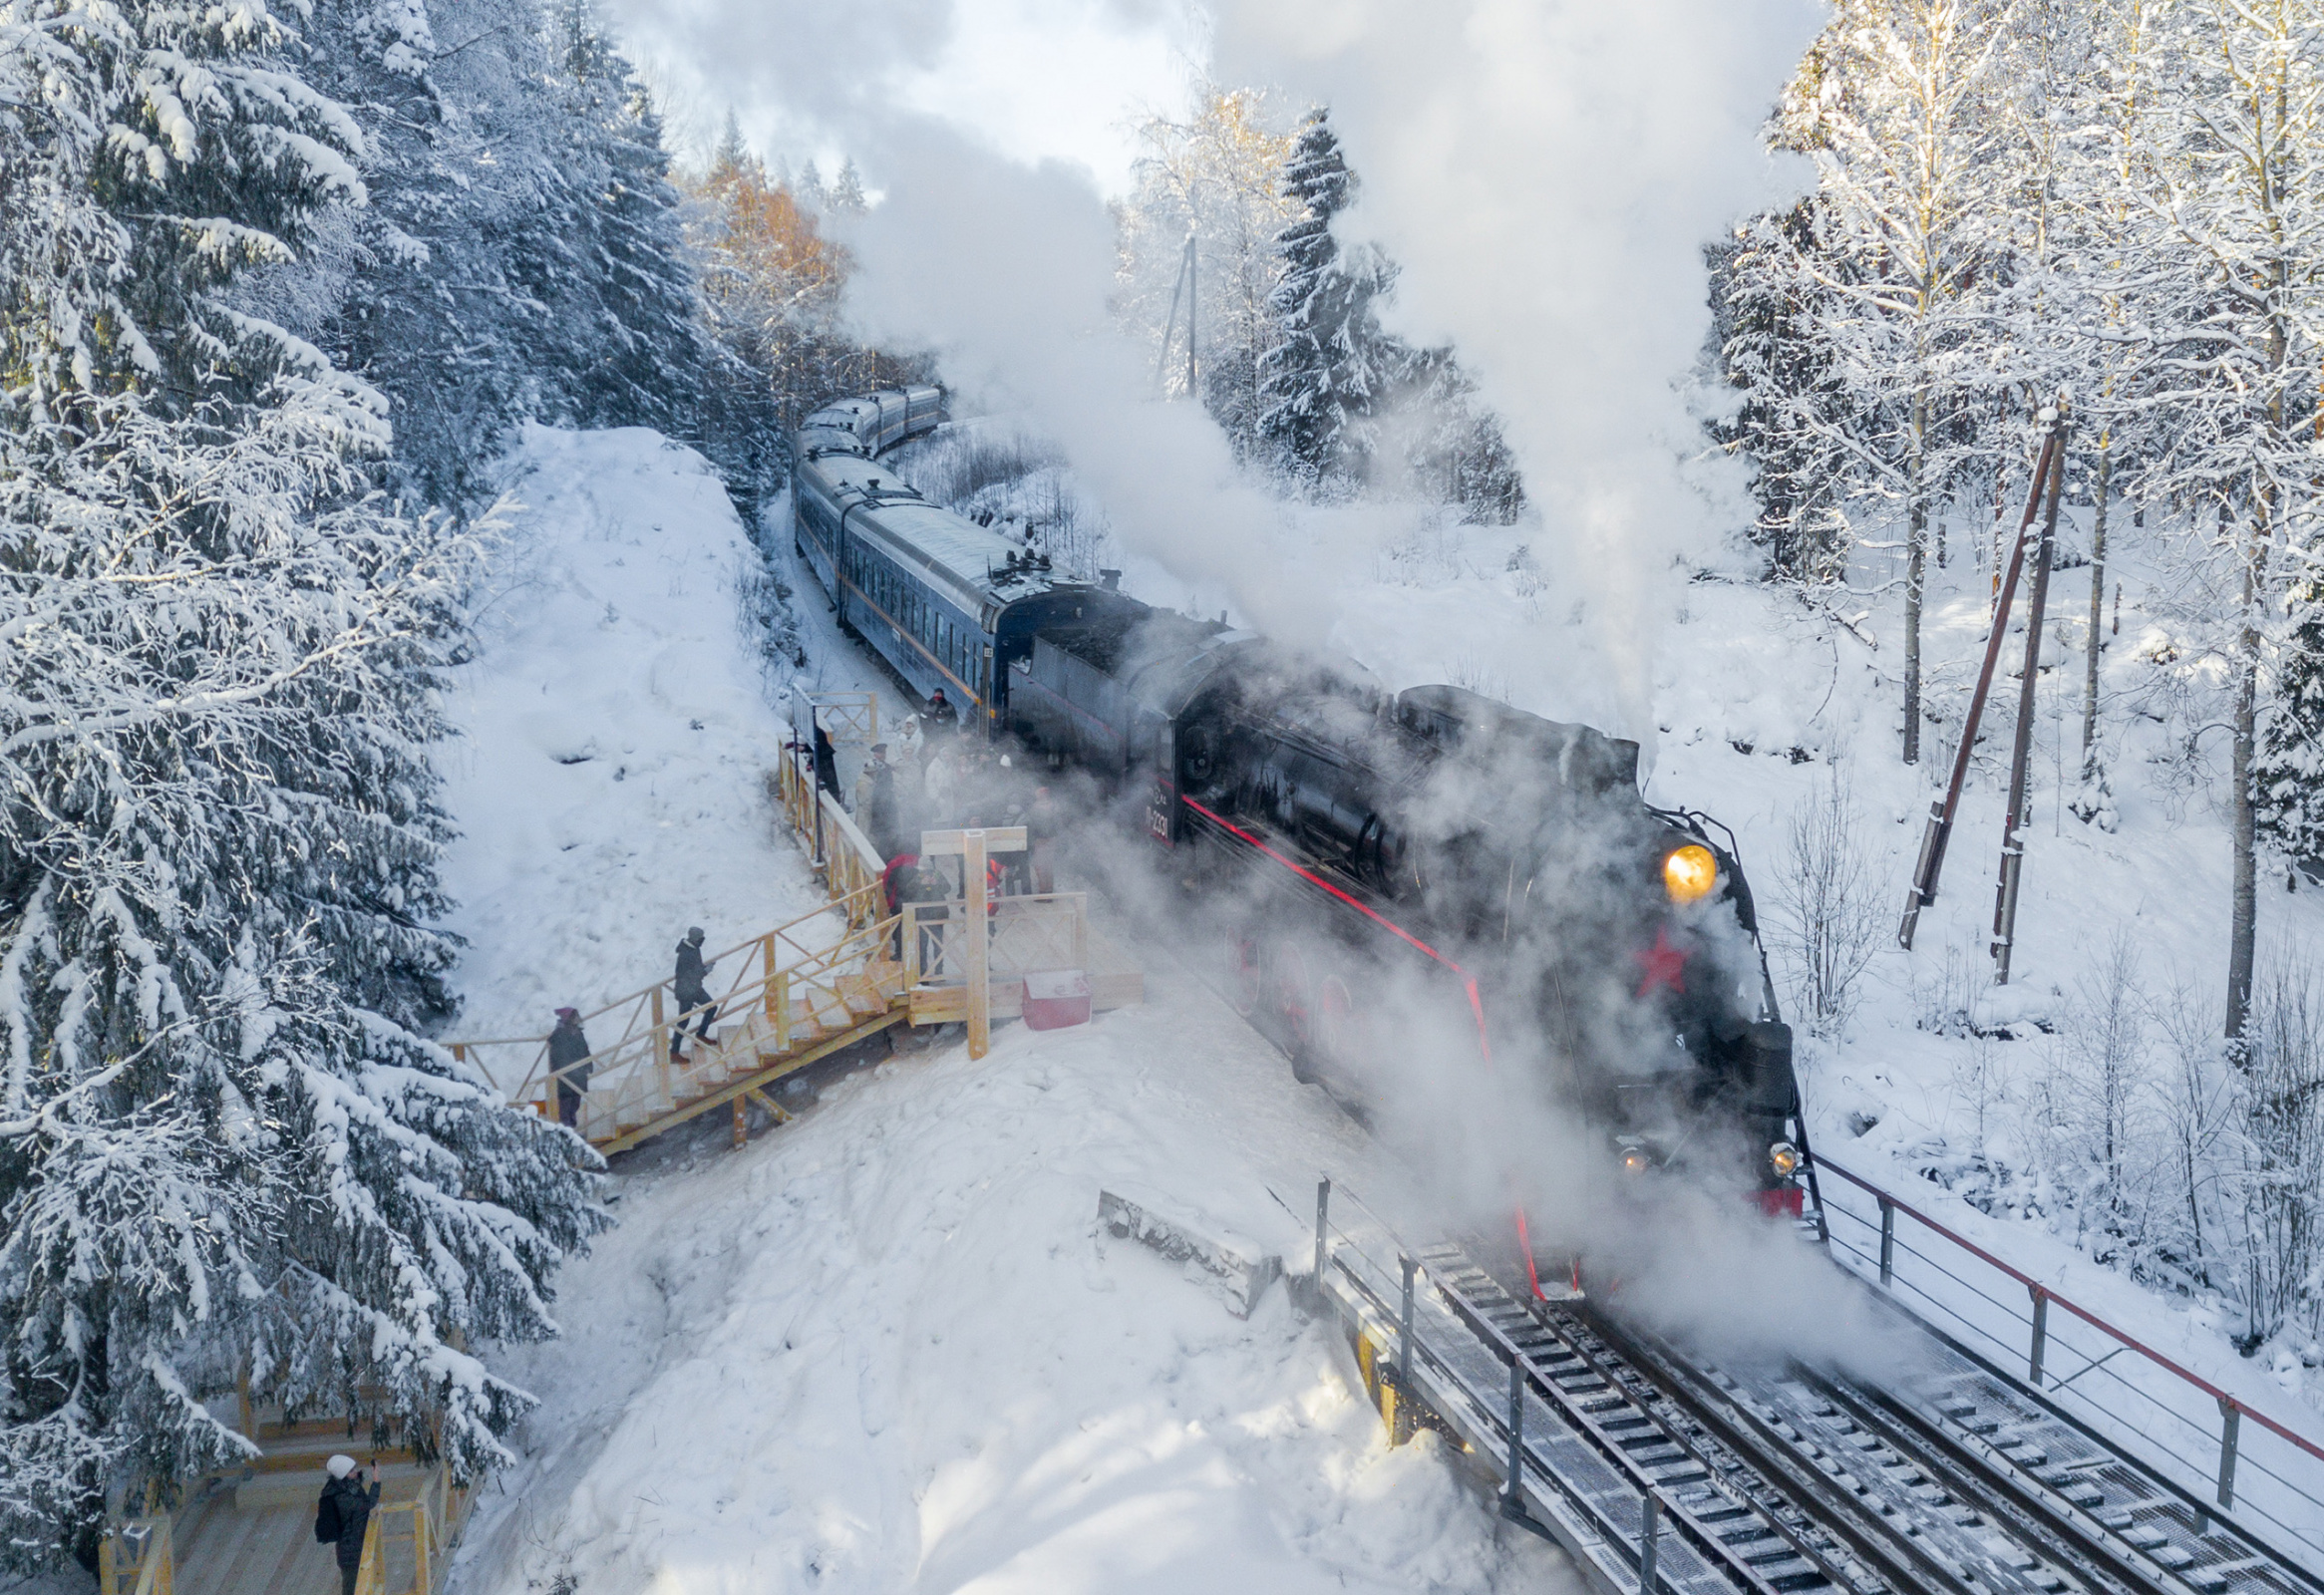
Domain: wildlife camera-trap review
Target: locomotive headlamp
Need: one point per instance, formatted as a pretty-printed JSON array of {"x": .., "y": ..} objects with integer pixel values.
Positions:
[
  {"x": 1634, "y": 1159},
  {"x": 1784, "y": 1158},
  {"x": 1689, "y": 873}
]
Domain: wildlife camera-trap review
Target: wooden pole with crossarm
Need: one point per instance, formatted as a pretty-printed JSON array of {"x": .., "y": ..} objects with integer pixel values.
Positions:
[{"x": 975, "y": 846}]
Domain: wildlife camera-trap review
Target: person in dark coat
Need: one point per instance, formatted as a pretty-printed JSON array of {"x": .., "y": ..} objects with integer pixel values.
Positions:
[
  {"x": 567, "y": 1047},
  {"x": 827, "y": 762},
  {"x": 902, "y": 871},
  {"x": 925, "y": 883},
  {"x": 942, "y": 717},
  {"x": 692, "y": 993},
  {"x": 343, "y": 1513}
]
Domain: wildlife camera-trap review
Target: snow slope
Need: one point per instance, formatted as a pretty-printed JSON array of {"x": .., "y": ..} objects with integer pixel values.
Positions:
[
  {"x": 616, "y": 735},
  {"x": 886, "y": 1349},
  {"x": 882, "y": 1348}
]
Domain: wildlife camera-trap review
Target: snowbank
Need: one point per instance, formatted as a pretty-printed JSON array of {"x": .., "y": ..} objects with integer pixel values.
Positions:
[
  {"x": 886, "y": 1346},
  {"x": 617, "y": 730},
  {"x": 890, "y": 1348}
]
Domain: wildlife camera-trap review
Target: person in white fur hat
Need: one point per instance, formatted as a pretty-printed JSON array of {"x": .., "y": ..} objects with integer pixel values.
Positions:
[{"x": 343, "y": 1513}]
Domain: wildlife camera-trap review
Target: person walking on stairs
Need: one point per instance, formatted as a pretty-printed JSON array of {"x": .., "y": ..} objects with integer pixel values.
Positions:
[
  {"x": 343, "y": 1513},
  {"x": 692, "y": 993},
  {"x": 566, "y": 1048}
]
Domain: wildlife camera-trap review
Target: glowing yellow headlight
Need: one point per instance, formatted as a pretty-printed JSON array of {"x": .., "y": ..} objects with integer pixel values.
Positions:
[
  {"x": 1784, "y": 1158},
  {"x": 1634, "y": 1160},
  {"x": 1689, "y": 873}
]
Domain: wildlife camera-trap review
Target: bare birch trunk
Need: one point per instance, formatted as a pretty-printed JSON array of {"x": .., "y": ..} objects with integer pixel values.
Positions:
[
  {"x": 1915, "y": 569},
  {"x": 2097, "y": 614}
]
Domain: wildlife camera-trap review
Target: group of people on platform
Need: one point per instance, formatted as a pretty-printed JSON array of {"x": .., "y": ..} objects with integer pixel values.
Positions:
[
  {"x": 939, "y": 779},
  {"x": 936, "y": 775}
]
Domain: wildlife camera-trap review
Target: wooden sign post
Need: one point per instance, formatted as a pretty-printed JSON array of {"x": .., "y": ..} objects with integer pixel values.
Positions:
[{"x": 975, "y": 847}]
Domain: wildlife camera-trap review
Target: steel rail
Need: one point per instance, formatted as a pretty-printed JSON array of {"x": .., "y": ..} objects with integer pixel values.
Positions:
[{"x": 1908, "y": 1562}]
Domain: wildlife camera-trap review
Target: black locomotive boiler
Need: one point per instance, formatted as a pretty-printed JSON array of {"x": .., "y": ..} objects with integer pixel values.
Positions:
[{"x": 1371, "y": 862}]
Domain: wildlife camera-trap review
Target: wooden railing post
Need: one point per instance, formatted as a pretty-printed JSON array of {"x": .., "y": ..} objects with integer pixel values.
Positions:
[
  {"x": 779, "y": 997},
  {"x": 661, "y": 1043},
  {"x": 766, "y": 956},
  {"x": 367, "y": 1571}
]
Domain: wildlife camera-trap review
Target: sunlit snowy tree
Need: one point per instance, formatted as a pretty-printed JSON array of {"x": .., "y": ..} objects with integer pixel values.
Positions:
[{"x": 1335, "y": 366}]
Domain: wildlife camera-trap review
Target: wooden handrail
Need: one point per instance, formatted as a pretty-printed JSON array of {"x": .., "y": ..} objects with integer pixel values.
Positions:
[
  {"x": 847, "y": 907},
  {"x": 156, "y": 1564},
  {"x": 821, "y": 971}
]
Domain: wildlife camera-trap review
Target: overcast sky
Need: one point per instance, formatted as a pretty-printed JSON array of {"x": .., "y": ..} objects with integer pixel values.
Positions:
[{"x": 1030, "y": 78}]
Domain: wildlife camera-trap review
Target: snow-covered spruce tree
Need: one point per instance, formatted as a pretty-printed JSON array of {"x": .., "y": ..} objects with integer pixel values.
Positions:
[
  {"x": 1792, "y": 419},
  {"x": 222, "y": 1143},
  {"x": 1335, "y": 364},
  {"x": 2288, "y": 764},
  {"x": 426, "y": 292},
  {"x": 616, "y": 275}
]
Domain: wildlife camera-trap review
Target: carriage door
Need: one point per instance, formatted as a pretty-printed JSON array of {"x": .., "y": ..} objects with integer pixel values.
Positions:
[{"x": 1153, "y": 746}]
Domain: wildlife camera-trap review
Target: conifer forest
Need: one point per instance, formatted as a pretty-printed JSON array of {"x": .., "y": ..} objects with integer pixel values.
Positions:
[{"x": 285, "y": 285}]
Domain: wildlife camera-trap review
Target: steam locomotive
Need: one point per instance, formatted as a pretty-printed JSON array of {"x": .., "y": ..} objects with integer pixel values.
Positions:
[{"x": 1420, "y": 874}]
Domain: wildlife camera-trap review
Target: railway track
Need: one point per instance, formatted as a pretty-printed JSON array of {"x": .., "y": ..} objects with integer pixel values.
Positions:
[
  {"x": 1960, "y": 1481},
  {"x": 1957, "y": 1480}
]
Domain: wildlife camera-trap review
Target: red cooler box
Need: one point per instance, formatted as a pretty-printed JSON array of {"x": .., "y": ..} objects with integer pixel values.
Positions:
[{"x": 1056, "y": 997}]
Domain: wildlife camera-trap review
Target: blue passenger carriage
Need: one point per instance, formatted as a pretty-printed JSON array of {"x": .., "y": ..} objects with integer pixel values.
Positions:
[{"x": 947, "y": 603}]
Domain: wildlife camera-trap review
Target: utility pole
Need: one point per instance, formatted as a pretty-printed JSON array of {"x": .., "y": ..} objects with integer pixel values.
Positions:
[
  {"x": 1181, "y": 290},
  {"x": 1923, "y": 890},
  {"x": 1193, "y": 392},
  {"x": 2013, "y": 848},
  {"x": 1161, "y": 360}
]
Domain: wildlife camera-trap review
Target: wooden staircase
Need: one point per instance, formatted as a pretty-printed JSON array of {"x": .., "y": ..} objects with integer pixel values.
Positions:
[
  {"x": 806, "y": 989},
  {"x": 737, "y": 1062}
]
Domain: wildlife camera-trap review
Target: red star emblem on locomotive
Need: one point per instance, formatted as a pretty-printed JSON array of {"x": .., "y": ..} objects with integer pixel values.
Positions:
[{"x": 1664, "y": 965}]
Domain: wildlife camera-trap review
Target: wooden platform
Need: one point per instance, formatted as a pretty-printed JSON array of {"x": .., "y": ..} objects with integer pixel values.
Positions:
[
  {"x": 946, "y": 1005},
  {"x": 270, "y": 1550}
]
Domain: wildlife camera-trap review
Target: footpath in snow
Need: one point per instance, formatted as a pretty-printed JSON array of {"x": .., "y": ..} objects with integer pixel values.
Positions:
[
  {"x": 886, "y": 1348},
  {"x": 618, "y": 734}
]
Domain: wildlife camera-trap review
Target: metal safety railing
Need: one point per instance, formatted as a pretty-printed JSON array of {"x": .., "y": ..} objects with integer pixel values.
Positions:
[
  {"x": 2042, "y": 1348},
  {"x": 1618, "y": 1553}
]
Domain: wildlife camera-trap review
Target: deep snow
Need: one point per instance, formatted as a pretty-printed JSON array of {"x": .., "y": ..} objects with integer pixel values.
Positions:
[
  {"x": 882, "y": 1348},
  {"x": 616, "y": 734}
]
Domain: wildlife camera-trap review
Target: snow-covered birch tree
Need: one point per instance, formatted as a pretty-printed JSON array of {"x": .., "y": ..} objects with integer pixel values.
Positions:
[{"x": 1893, "y": 104}]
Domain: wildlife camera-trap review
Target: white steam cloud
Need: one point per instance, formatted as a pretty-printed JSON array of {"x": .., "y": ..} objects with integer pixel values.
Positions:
[
  {"x": 1547, "y": 172},
  {"x": 1004, "y": 272}
]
